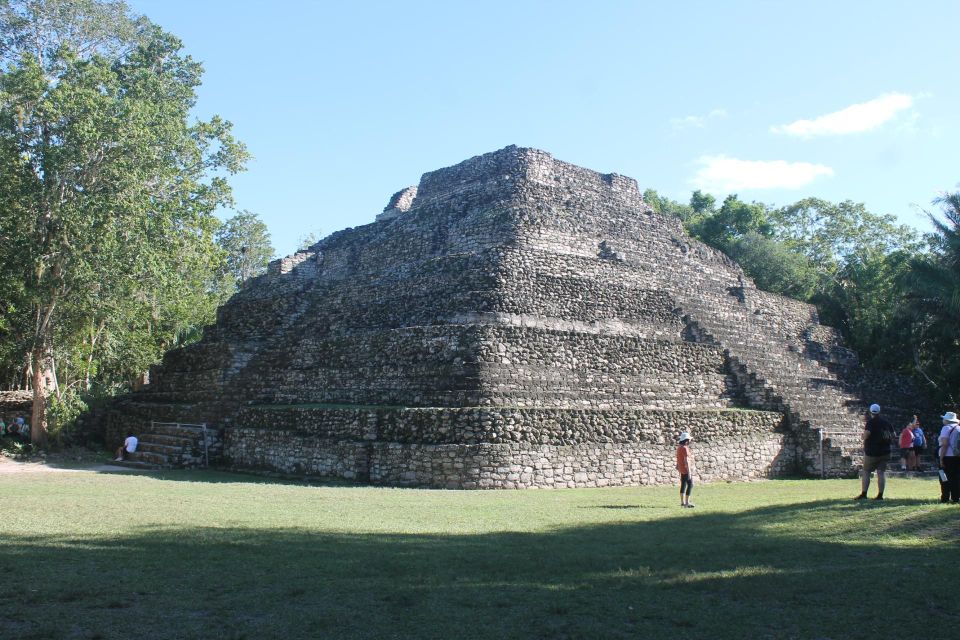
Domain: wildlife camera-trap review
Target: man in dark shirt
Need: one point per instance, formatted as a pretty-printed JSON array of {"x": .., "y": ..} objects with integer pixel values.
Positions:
[{"x": 877, "y": 435}]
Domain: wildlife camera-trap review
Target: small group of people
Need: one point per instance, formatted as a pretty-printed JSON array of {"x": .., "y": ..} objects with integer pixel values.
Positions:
[
  {"x": 19, "y": 429},
  {"x": 912, "y": 443},
  {"x": 877, "y": 437},
  {"x": 876, "y": 452}
]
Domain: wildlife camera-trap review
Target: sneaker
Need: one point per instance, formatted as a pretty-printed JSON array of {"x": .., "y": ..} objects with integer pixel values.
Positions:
[
  {"x": 861, "y": 496},
  {"x": 118, "y": 459},
  {"x": 879, "y": 498},
  {"x": 689, "y": 506}
]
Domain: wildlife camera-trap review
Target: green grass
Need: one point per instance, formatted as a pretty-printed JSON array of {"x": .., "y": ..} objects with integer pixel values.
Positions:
[{"x": 201, "y": 555}]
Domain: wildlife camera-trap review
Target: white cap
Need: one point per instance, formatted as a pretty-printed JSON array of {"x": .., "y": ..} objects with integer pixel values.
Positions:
[
  {"x": 684, "y": 436},
  {"x": 874, "y": 408}
]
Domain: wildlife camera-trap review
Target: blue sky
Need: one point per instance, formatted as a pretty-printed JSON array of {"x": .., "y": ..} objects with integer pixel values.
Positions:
[{"x": 344, "y": 103}]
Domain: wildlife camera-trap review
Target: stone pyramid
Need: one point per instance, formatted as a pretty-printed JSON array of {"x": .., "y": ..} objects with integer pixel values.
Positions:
[{"x": 516, "y": 321}]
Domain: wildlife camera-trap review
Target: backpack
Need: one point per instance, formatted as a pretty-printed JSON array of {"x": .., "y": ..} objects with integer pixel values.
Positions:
[
  {"x": 919, "y": 440},
  {"x": 885, "y": 436},
  {"x": 953, "y": 446}
]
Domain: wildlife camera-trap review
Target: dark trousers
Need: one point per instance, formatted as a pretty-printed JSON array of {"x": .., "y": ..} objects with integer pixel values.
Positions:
[
  {"x": 686, "y": 483},
  {"x": 950, "y": 490}
]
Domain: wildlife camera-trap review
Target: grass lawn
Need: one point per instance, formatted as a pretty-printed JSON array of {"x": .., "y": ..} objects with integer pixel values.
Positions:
[{"x": 212, "y": 555}]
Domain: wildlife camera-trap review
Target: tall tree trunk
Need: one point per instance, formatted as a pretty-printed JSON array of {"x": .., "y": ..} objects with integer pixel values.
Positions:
[
  {"x": 94, "y": 338},
  {"x": 41, "y": 354},
  {"x": 38, "y": 422}
]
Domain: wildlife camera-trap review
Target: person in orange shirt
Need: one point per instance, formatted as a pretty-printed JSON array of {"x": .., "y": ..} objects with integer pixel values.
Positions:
[{"x": 686, "y": 468}]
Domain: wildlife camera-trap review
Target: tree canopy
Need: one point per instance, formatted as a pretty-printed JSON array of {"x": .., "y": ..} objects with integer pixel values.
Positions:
[
  {"x": 932, "y": 293},
  {"x": 245, "y": 241},
  {"x": 107, "y": 191}
]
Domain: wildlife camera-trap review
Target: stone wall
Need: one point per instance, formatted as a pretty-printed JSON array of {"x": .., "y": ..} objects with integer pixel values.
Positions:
[
  {"x": 14, "y": 404},
  {"x": 508, "y": 448}
]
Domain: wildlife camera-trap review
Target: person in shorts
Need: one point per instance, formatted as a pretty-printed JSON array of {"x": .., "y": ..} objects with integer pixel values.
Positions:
[
  {"x": 877, "y": 435},
  {"x": 129, "y": 446}
]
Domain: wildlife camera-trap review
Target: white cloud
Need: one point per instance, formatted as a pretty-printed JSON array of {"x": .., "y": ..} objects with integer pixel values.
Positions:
[
  {"x": 853, "y": 119},
  {"x": 723, "y": 174},
  {"x": 697, "y": 122}
]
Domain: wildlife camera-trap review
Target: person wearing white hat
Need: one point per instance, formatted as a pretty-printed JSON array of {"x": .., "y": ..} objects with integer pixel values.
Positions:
[
  {"x": 877, "y": 436},
  {"x": 950, "y": 457},
  {"x": 686, "y": 468}
]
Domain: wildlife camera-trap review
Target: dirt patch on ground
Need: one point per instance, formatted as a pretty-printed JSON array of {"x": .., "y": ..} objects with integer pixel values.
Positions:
[{"x": 61, "y": 462}]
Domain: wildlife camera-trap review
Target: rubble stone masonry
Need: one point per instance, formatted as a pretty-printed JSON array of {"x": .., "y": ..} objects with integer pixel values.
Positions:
[{"x": 516, "y": 321}]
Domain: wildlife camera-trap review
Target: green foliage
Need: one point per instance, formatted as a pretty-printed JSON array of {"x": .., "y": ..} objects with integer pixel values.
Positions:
[
  {"x": 703, "y": 204},
  {"x": 62, "y": 414},
  {"x": 16, "y": 448},
  {"x": 724, "y": 227},
  {"x": 863, "y": 300},
  {"x": 832, "y": 235},
  {"x": 859, "y": 257},
  {"x": 773, "y": 266},
  {"x": 107, "y": 191},
  {"x": 308, "y": 240},
  {"x": 667, "y": 207},
  {"x": 932, "y": 289},
  {"x": 245, "y": 241}
]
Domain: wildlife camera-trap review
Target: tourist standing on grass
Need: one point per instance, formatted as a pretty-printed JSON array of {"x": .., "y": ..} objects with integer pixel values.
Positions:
[
  {"x": 906, "y": 447},
  {"x": 129, "y": 446},
  {"x": 950, "y": 457},
  {"x": 919, "y": 443},
  {"x": 877, "y": 435},
  {"x": 686, "y": 468}
]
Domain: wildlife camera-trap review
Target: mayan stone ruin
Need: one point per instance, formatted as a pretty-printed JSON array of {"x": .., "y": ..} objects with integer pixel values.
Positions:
[{"x": 513, "y": 321}]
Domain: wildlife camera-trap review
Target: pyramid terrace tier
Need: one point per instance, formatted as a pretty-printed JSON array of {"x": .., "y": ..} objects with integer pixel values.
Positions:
[
  {"x": 507, "y": 448},
  {"x": 470, "y": 365}
]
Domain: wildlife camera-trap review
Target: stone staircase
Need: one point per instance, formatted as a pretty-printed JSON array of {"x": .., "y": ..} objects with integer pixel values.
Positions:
[
  {"x": 168, "y": 445},
  {"x": 928, "y": 464},
  {"x": 775, "y": 374}
]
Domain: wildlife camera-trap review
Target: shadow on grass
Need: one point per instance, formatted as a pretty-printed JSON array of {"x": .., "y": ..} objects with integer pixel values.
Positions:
[
  {"x": 230, "y": 476},
  {"x": 766, "y": 573}
]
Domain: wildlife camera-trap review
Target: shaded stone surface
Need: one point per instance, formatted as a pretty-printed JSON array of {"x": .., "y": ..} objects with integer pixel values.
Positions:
[
  {"x": 15, "y": 403},
  {"x": 516, "y": 321}
]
